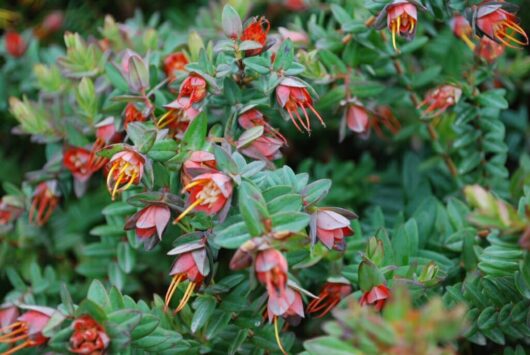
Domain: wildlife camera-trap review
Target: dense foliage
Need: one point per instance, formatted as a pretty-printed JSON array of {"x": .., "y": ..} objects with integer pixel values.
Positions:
[{"x": 345, "y": 178}]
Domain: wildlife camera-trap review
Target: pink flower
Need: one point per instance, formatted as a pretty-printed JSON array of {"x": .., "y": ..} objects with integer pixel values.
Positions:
[
  {"x": 192, "y": 90},
  {"x": 462, "y": 29},
  {"x": 106, "y": 132},
  {"x": 295, "y": 36},
  {"x": 377, "y": 297},
  {"x": 25, "y": 330},
  {"x": 271, "y": 270},
  {"x": 290, "y": 305},
  {"x": 178, "y": 118},
  {"x": 263, "y": 148},
  {"x": 148, "y": 222},
  {"x": 189, "y": 266},
  {"x": 357, "y": 118},
  {"x": 331, "y": 228},
  {"x": 253, "y": 118}
]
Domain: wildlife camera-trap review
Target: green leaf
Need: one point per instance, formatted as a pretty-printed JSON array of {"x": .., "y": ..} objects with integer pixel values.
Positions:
[
  {"x": 253, "y": 208},
  {"x": 163, "y": 149},
  {"x": 493, "y": 99},
  {"x": 329, "y": 345},
  {"x": 204, "y": 307},
  {"x": 98, "y": 294},
  {"x": 195, "y": 136},
  {"x": 231, "y": 235},
  {"x": 126, "y": 257},
  {"x": 289, "y": 221},
  {"x": 231, "y": 21},
  {"x": 142, "y": 136}
]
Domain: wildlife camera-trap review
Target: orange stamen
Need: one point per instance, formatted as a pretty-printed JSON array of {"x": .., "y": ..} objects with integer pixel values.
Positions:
[
  {"x": 188, "y": 210},
  {"x": 277, "y": 336},
  {"x": 18, "y": 347},
  {"x": 171, "y": 289},
  {"x": 186, "y": 298}
]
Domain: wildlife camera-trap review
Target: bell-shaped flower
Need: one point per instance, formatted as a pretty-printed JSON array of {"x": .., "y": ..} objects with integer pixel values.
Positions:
[
  {"x": 198, "y": 163},
  {"x": 26, "y": 330},
  {"x": 150, "y": 223},
  {"x": 174, "y": 63},
  {"x": 439, "y": 100},
  {"x": 376, "y": 297},
  {"x": 192, "y": 90},
  {"x": 256, "y": 30},
  {"x": 125, "y": 168},
  {"x": 332, "y": 227}
]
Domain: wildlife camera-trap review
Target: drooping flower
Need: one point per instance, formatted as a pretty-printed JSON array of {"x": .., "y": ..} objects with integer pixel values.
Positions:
[
  {"x": 256, "y": 30},
  {"x": 292, "y": 95},
  {"x": 208, "y": 193},
  {"x": 440, "y": 99},
  {"x": 271, "y": 270},
  {"x": 192, "y": 90},
  {"x": 377, "y": 297},
  {"x": 45, "y": 200},
  {"x": 125, "y": 168},
  {"x": 497, "y": 20},
  {"x": 401, "y": 17},
  {"x": 462, "y": 29},
  {"x": 15, "y": 44},
  {"x": 132, "y": 114},
  {"x": 149, "y": 223},
  {"x": 357, "y": 118},
  {"x": 106, "y": 133},
  {"x": 82, "y": 163},
  {"x": 177, "y": 118},
  {"x": 385, "y": 117},
  {"x": 89, "y": 337},
  {"x": 26, "y": 330},
  {"x": 192, "y": 266},
  {"x": 289, "y": 306},
  {"x": 331, "y": 228},
  {"x": 175, "y": 62},
  {"x": 489, "y": 50},
  {"x": 253, "y": 118},
  {"x": 198, "y": 163},
  {"x": 264, "y": 148},
  {"x": 329, "y": 297}
]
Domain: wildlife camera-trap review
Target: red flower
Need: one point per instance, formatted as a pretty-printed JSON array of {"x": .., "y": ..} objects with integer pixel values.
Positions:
[
  {"x": 497, "y": 21},
  {"x": 45, "y": 200},
  {"x": 26, "y": 329},
  {"x": 148, "y": 222},
  {"x": 15, "y": 44},
  {"x": 192, "y": 90},
  {"x": 51, "y": 23},
  {"x": 462, "y": 29},
  {"x": 293, "y": 95},
  {"x": 295, "y": 5},
  {"x": 257, "y": 31},
  {"x": 192, "y": 266},
  {"x": 377, "y": 297},
  {"x": 198, "y": 163},
  {"x": 329, "y": 297},
  {"x": 208, "y": 193},
  {"x": 82, "y": 163},
  {"x": 253, "y": 118},
  {"x": 173, "y": 63},
  {"x": 106, "y": 133},
  {"x": 489, "y": 50},
  {"x": 89, "y": 337},
  {"x": 440, "y": 99},
  {"x": 9, "y": 211},
  {"x": 271, "y": 270},
  {"x": 132, "y": 114},
  {"x": 357, "y": 118},
  {"x": 125, "y": 168},
  {"x": 331, "y": 228}
]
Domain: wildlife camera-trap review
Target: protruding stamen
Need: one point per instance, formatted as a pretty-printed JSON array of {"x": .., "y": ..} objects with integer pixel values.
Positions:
[
  {"x": 293, "y": 120},
  {"x": 393, "y": 25},
  {"x": 121, "y": 174},
  {"x": 186, "y": 297},
  {"x": 192, "y": 184},
  {"x": 318, "y": 115},
  {"x": 188, "y": 210},
  {"x": 467, "y": 41},
  {"x": 109, "y": 176},
  {"x": 412, "y": 23},
  {"x": 277, "y": 335},
  {"x": 18, "y": 347},
  {"x": 171, "y": 289}
]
